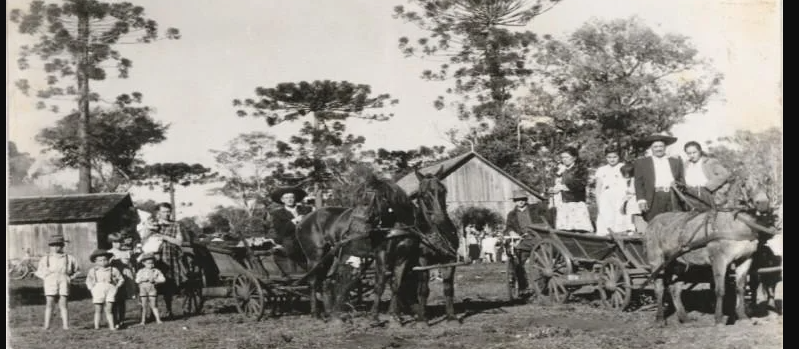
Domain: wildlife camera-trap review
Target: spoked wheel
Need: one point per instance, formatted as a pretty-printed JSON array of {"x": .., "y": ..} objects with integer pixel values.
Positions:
[
  {"x": 550, "y": 266},
  {"x": 614, "y": 286},
  {"x": 18, "y": 271},
  {"x": 250, "y": 296}
]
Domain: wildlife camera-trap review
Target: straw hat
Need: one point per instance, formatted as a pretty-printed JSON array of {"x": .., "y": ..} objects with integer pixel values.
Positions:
[
  {"x": 519, "y": 194},
  {"x": 98, "y": 253},
  {"x": 56, "y": 240}
]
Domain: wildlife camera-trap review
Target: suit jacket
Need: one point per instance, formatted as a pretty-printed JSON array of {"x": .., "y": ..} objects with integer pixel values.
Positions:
[
  {"x": 281, "y": 220},
  {"x": 645, "y": 176}
]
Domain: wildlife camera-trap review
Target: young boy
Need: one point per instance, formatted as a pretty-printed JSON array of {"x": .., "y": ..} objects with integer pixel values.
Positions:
[
  {"x": 147, "y": 278},
  {"x": 57, "y": 269},
  {"x": 103, "y": 280},
  {"x": 121, "y": 261}
]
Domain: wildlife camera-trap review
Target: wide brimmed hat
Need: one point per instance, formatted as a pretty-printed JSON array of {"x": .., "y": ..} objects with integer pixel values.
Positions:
[
  {"x": 56, "y": 240},
  {"x": 145, "y": 256},
  {"x": 519, "y": 194},
  {"x": 299, "y": 194},
  {"x": 662, "y": 137},
  {"x": 100, "y": 252}
]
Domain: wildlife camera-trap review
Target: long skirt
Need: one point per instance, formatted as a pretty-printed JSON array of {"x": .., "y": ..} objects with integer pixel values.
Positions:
[
  {"x": 610, "y": 214},
  {"x": 574, "y": 216}
]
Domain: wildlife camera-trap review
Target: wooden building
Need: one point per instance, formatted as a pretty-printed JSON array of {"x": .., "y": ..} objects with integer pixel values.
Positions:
[
  {"x": 85, "y": 221},
  {"x": 471, "y": 180}
]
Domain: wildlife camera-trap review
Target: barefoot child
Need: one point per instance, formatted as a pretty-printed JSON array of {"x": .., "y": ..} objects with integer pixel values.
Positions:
[
  {"x": 57, "y": 269},
  {"x": 103, "y": 280},
  {"x": 147, "y": 278},
  {"x": 121, "y": 261}
]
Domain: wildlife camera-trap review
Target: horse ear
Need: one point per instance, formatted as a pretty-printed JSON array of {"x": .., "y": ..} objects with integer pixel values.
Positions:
[
  {"x": 440, "y": 172},
  {"x": 419, "y": 176}
]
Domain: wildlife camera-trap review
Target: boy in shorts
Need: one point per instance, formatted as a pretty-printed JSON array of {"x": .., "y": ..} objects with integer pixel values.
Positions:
[
  {"x": 147, "y": 278},
  {"x": 57, "y": 269},
  {"x": 103, "y": 280}
]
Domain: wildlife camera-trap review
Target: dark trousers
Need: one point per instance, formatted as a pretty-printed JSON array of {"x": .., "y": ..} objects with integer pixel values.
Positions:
[
  {"x": 474, "y": 252},
  {"x": 662, "y": 202},
  {"x": 519, "y": 258}
]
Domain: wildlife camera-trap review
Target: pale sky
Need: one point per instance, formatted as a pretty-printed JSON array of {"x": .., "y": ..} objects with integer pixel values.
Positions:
[{"x": 230, "y": 47}]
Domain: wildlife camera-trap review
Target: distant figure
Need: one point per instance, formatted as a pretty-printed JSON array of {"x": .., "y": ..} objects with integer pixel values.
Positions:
[
  {"x": 472, "y": 243},
  {"x": 489, "y": 248}
]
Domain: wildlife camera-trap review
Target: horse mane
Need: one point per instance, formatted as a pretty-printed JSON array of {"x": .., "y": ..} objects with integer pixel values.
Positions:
[{"x": 384, "y": 194}]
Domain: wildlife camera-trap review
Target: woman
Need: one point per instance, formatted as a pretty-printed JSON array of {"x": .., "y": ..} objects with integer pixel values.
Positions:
[
  {"x": 705, "y": 178},
  {"x": 166, "y": 233},
  {"x": 611, "y": 188},
  {"x": 572, "y": 179}
]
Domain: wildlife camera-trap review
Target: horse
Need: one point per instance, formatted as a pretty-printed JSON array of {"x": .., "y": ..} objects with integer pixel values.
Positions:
[
  {"x": 677, "y": 242},
  {"x": 327, "y": 236},
  {"x": 439, "y": 245}
]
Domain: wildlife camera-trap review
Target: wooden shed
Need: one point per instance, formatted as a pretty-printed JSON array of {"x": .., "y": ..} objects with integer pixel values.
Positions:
[
  {"x": 472, "y": 180},
  {"x": 85, "y": 220}
]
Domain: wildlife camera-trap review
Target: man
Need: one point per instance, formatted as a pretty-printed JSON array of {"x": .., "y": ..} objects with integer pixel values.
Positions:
[
  {"x": 654, "y": 176},
  {"x": 706, "y": 178},
  {"x": 167, "y": 234},
  {"x": 285, "y": 220},
  {"x": 519, "y": 220}
]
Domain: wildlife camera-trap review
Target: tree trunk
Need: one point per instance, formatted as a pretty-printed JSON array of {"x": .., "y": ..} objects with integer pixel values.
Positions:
[
  {"x": 317, "y": 191},
  {"x": 84, "y": 163},
  {"x": 172, "y": 201}
]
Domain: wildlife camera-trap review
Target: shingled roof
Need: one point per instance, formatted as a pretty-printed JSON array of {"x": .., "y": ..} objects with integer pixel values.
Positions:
[
  {"x": 64, "y": 208},
  {"x": 411, "y": 184}
]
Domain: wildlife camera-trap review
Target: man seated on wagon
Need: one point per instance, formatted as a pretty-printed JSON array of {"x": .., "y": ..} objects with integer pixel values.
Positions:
[
  {"x": 520, "y": 220},
  {"x": 285, "y": 219}
]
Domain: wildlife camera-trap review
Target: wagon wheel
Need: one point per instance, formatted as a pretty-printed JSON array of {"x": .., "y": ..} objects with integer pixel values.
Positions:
[
  {"x": 250, "y": 296},
  {"x": 549, "y": 268},
  {"x": 192, "y": 302},
  {"x": 614, "y": 285}
]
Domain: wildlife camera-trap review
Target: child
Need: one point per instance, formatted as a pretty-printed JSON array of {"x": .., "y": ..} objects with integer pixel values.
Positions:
[
  {"x": 147, "y": 278},
  {"x": 103, "y": 282},
  {"x": 121, "y": 261},
  {"x": 630, "y": 207},
  {"x": 57, "y": 269}
]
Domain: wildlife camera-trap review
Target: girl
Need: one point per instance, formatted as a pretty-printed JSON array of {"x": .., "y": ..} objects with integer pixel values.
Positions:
[
  {"x": 630, "y": 208},
  {"x": 103, "y": 282},
  {"x": 147, "y": 278},
  {"x": 572, "y": 179},
  {"x": 611, "y": 190},
  {"x": 57, "y": 269}
]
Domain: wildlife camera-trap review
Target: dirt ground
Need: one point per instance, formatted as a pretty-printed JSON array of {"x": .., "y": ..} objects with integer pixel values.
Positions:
[{"x": 487, "y": 321}]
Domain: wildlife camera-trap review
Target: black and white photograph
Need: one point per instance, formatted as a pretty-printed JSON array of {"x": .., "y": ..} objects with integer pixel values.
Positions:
[{"x": 457, "y": 174}]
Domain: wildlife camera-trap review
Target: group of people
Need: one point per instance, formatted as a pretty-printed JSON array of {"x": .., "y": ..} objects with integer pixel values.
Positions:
[
  {"x": 628, "y": 195},
  {"x": 483, "y": 245},
  {"x": 116, "y": 275}
]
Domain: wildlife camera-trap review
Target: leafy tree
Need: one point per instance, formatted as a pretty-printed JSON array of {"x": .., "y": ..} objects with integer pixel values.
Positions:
[
  {"x": 148, "y": 206},
  {"x": 479, "y": 216},
  {"x": 398, "y": 163},
  {"x": 238, "y": 221},
  {"x": 322, "y": 140},
  {"x": 756, "y": 158},
  {"x": 75, "y": 39},
  {"x": 250, "y": 161},
  {"x": 18, "y": 164},
  {"x": 617, "y": 81},
  {"x": 170, "y": 175},
  {"x": 481, "y": 51},
  {"x": 116, "y": 137}
]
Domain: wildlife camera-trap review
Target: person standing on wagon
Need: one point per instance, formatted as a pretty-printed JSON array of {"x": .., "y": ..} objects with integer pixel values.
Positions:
[
  {"x": 705, "y": 177},
  {"x": 572, "y": 214},
  {"x": 522, "y": 217},
  {"x": 654, "y": 176},
  {"x": 56, "y": 269}
]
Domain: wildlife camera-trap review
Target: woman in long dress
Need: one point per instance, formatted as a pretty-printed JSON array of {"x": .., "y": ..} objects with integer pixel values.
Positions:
[
  {"x": 611, "y": 188},
  {"x": 571, "y": 184}
]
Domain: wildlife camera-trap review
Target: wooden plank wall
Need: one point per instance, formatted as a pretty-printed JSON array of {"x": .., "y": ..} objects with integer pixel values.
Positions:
[{"x": 82, "y": 239}]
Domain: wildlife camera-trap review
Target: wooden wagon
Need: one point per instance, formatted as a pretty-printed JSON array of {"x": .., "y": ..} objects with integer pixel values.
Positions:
[
  {"x": 615, "y": 265},
  {"x": 259, "y": 282}
]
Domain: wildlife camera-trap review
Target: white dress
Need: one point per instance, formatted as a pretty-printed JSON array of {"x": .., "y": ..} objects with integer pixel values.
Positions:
[{"x": 611, "y": 190}]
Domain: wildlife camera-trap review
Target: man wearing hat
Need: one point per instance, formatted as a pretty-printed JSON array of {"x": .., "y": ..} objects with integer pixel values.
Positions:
[
  {"x": 519, "y": 220},
  {"x": 57, "y": 269},
  {"x": 654, "y": 176},
  {"x": 286, "y": 218}
]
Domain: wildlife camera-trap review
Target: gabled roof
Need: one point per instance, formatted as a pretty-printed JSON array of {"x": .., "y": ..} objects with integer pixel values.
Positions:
[
  {"x": 410, "y": 184},
  {"x": 64, "y": 208}
]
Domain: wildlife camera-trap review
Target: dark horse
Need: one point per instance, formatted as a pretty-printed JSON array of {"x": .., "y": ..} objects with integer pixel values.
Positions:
[
  {"x": 438, "y": 245},
  {"x": 328, "y": 236}
]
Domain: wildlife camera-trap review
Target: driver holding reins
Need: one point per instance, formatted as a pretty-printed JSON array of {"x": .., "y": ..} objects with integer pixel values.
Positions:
[{"x": 519, "y": 220}]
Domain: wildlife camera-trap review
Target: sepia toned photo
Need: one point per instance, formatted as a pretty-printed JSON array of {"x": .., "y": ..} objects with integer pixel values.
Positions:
[{"x": 394, "y": 174}]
